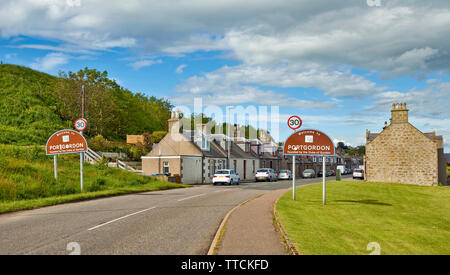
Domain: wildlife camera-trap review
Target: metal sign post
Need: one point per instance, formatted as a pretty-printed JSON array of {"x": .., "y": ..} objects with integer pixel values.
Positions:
[
  {"x": 310, "y": 143},
  {"x": 67, "y": 142},
  {"x": 55, "y": 164},
  {"x": 293, "y": 178},
  {"x": 81, "y": 170},
  {"x": 324, "y": 180},
  {"x": 81, "y": 125},
  {"x": 294, "y": 122}
]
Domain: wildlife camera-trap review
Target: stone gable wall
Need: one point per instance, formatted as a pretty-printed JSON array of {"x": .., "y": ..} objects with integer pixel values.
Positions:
[{"x": 402, "y": 154}]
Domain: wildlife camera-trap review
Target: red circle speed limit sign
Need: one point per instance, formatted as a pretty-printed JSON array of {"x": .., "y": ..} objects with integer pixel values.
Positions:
[
  {"x": 294, "y": 122},
  {"x": 81, "y": 124}
]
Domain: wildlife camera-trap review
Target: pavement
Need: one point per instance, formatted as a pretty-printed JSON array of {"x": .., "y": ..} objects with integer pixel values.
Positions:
[
  {"x": 250, "y": 229},
  {"x": 171, "y": 222}
]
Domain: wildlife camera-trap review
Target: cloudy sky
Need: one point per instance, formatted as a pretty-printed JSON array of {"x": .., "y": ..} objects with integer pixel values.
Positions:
[{"x": 338, "y": 64}]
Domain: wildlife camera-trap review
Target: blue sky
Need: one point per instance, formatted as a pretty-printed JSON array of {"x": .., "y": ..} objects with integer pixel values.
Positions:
[{"x": 338, "y": 64}]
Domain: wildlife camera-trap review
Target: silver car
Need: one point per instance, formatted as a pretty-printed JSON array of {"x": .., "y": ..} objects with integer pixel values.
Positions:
[
  {"x": 285, "y": 175},
  {"x": 265, "y": 174},
  {"x": 309, "y": 173}
]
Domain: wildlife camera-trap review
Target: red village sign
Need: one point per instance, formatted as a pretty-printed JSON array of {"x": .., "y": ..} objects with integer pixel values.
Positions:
[
  {"x": 309, "y": 143},
  {"x": 66, "y": 142}
]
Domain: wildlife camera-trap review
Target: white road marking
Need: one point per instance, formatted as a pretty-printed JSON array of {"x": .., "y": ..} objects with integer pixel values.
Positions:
[
  {"x": 129, "y": 215},
  {"x": 191, "y": 197},
  {"x": 223, "y": 190}
]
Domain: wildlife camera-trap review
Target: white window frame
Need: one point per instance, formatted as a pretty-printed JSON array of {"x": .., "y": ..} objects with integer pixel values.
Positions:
[{"x": 166, "y": 165}]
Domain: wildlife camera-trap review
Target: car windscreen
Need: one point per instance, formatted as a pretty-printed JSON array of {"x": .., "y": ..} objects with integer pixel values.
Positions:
[
  {"x": 222, "y": 172},
  {"x": 358, "y": 170},
  {"x": 283, "y": 171},
  {"x": 262, "y": 171},
  {"x": 309, "y": 171}
]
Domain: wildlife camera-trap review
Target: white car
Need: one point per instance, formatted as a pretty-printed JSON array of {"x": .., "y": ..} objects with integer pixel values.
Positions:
[
  {"x": 265, "y": 174},
  {"x": 285, "y": 175},
  {"x": 226, "y": 176},
  {"x": 358, "y": 173}
]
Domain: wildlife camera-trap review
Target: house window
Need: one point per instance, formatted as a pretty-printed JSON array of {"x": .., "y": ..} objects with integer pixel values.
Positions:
[
  {"x": 205, "y": 143},
  {"x": 212, "y": 167},
  {"x": 166, "y": 167},
  {"x": 247, "y": 147}
]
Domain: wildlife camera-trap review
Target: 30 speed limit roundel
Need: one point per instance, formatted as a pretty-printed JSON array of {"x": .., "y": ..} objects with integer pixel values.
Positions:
[
  {"x": 81, "y": 124},
  {"x": 294, "y": 122}
]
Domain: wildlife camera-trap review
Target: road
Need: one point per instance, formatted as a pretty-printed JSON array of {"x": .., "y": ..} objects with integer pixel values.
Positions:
[{"x": 171, "y": 222}]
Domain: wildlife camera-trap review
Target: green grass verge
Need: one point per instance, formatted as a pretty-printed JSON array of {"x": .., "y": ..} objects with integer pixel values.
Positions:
[
  {"x": 403, "y": 219},
  {"x": 36, "y": 203},
  {"x": 27, "y": 180}
]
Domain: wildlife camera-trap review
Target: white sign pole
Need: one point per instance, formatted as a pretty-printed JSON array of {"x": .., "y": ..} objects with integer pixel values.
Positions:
[
  {"x": 81, "y": 170},
  {"x": 324, "y": 179},
  {"x": 55, "y": 162},
  {"x": 293, "y": 178}
]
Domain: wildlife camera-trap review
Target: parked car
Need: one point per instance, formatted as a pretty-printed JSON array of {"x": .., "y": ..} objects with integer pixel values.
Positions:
[
  {"x": 348, "y": 171},
  {"x": 226, "y": 176},
  {"x": 319, "y": 173},
  {"x": 285, "y": 175},
  {"x": 331, "y": 173},
  {"x": 358, "y": 173},
  {"x": 309, "y": 173},
  {"x": 266, "y": 174}
]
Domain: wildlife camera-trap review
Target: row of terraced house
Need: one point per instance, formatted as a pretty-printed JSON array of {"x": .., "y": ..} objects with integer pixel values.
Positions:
[{"x": 193, "y": 156}]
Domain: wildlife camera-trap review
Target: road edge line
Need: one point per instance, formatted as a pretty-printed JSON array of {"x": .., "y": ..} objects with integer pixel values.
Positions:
[{"x": 219, "y": 233}]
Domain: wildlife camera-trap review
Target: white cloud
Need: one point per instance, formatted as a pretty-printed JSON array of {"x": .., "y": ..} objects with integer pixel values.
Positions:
[
  {"x": 222, "y": 96},
  {"x": 143, "y": 63},
  {"x": 50, "y": 62},
  {"x": 332, "y": 83},
  {"x": 431, "y": 102},
  {"x": 396, "y": 38},
  {"x": 180, "y": 68},
  {"x": 62, "y": 48}
]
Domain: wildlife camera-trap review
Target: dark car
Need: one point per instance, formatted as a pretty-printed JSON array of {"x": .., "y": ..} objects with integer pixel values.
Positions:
[{"x": 331, "y": 173}]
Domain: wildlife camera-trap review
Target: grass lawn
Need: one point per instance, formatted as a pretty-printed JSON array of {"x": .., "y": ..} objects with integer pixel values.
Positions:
[
  {"x": 403, "y": 219},
  {"x": 27, "y": 180}
]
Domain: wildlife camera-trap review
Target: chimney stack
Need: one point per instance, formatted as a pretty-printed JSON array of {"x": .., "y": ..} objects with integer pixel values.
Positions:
[
  {"x": 174, "y": 122},
  {"x": 399, "y": 113},
  {"x": 202, "y": 128}
]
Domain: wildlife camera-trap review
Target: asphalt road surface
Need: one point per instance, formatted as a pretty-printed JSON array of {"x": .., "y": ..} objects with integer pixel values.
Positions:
[{"x": 172, "y": 222}]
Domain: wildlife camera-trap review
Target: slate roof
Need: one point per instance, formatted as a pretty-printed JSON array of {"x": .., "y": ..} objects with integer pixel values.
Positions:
[{"x": 372, "y": 136}]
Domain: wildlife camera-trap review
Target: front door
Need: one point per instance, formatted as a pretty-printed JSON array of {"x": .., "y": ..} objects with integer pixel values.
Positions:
[{"x": 245, "y": 169}]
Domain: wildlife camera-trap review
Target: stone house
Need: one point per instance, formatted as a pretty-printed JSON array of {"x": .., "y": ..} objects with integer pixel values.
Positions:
[{"x": 403, "y": 154}]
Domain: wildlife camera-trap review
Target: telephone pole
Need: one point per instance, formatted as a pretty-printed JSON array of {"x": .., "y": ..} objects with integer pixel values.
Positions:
[
  {"x": 83, "y": 115},
  {"x": 83, "y": 102}
]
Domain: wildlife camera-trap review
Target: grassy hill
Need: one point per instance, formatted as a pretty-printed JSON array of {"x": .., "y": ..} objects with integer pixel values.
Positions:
[
  {"x": 27, "y": 106},
  {"x": 33, "y": 105}
]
